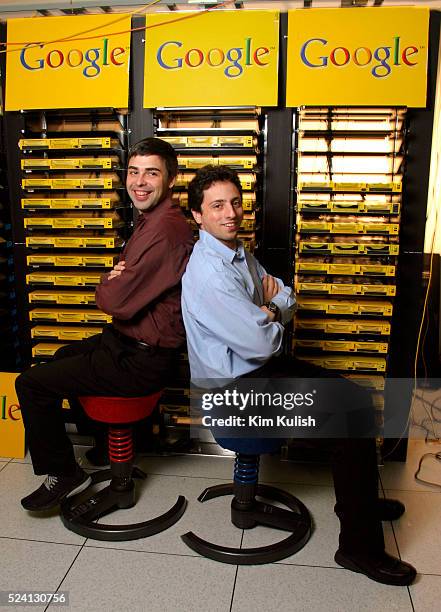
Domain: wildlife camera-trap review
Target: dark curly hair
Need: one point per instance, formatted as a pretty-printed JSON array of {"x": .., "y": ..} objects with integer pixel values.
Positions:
[
  {"x": 161, "y": 148},
  {"x": 203, "y": 180}
]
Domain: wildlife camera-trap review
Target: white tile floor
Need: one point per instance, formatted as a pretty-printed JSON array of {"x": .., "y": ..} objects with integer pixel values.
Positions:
[{"x": 161, "y": 574}]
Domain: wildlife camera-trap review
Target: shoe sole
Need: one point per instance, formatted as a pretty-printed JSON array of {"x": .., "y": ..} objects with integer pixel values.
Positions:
[
  {"x": 79, "y": 489},
  {"x": 353, "y": 567}
]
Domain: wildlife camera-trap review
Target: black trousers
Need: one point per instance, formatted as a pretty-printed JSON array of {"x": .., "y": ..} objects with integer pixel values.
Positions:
[
  {"x": 101, "y": 365},
  {"x": 353, "y": 460}
]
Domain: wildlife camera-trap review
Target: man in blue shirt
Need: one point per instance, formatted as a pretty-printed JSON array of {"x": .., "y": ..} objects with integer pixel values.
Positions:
[{"x": 234, "y": 315}]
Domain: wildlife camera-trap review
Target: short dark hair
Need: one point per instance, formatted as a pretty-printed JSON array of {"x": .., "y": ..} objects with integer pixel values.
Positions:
[
  {"x": 156, "y": 146},
  {"x": 203, "y": 180}
]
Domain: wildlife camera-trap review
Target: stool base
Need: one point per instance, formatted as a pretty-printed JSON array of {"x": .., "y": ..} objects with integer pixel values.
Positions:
[
  {"x": 297, "y": 520},
  {"x": 79, "y": 512}
]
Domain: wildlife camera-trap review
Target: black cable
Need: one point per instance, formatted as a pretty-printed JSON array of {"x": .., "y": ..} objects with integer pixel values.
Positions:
[{"x": 427, "y": 482}]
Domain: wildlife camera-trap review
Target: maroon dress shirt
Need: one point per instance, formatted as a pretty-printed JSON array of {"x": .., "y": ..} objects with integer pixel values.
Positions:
[{"x": 145, "y": 300}]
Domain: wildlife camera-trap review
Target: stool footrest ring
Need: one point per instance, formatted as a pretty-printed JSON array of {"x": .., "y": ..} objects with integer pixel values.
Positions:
[
  {"x": 297, "y": 520},
  {"x": 79, "y": 512}
]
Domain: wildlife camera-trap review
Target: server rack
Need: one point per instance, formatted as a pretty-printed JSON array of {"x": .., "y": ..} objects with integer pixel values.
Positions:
[
  {"x": 216, "y": 136},
  {"x": 71, "y": 219}
]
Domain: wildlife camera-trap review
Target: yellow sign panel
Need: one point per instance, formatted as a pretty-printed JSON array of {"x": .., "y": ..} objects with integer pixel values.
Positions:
[
  {"x": 219, "y": 58},
  {"x": 85, "y": 65},
  {"x": 12, "y": 437},
  {"x": 369, "y": 56}
]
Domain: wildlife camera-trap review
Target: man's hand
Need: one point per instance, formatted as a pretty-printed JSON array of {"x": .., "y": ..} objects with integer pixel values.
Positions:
[
  {"x": 270, "y": 288},
  {"x": 117, "y": 270}
]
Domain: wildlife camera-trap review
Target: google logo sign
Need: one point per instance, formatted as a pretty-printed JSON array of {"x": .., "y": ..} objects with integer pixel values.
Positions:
[
  {"x": 90, "y": 61},
  {"x": 171, "y": 56},
  {"x": 315, "y": 53}
]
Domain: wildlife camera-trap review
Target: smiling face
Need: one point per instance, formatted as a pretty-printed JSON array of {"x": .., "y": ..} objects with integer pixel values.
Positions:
[
  {"x": 147, "y": 181},
  {"x": 221, "y": 212}
]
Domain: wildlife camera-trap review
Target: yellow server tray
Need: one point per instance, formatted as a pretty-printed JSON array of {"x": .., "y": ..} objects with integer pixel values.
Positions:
[
  {"x": 74, "y": 242},
  {"x": 34, "y": 143},
  {"x": 69, "y": 316},
  {"x": 375, "y": 187},
  {"x": 342, "y": 346},
  {"x": 346, "y": 289},
  {"x": 46, "y": 350},
  {"x": 92, "y": 261},
  {"x": 62, "y": 279},
  {"x": 237, "y": 141},
  {"x": 246, "y": 163},
  {"x": 176, "y": 141},
  {"x": 62, "y": 183},
  {"x": 248, "y": 201},
  {"x": 35, "y": 164},
  {"x": 315, "y": 186},
  {"x": 234, "y": 162},
  {"x": 63, "y": 203},
  {"x": 344, "y": 326},
  {"x": 380, "y": 208},
  {"x": 63, "y": 333},
  {"x": 102, "y": 163},
  {"x": 352, "y": 307},
  {"x": 351, "y": 187},
  {"x": 367, "y": 187},
  {"x": 206, "y": 141},
  {"x": 201, "y": 141},
  {"x": 69, "y": 297},
  {"x": 348, "y": 248},
  {"x": 196, "y": 162},
  {"x": 343, "y": 269},
  {"x": 342, "y": 227},
  {"x": 248, "y": 225},
  {"x": 73, "y": 222},
  {"x": 36, "y": 182},
  {"x": 247, "y": 180},
  {"x": 360, "y": 363},
  {"x": 371, "y": 382},
  {"x": 104, "y": 142},
  {"x": 83, "y": 183}
]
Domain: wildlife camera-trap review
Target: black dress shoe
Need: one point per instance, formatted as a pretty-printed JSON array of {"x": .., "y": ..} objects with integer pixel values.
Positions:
[
  {"x": 380, "y": 567},
  {"x": 390, "y": 509},
  {"x": 55, "y": 489}
]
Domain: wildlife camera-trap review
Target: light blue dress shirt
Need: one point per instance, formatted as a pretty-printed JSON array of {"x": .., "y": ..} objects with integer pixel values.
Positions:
[{"x": 228, "y": 335}]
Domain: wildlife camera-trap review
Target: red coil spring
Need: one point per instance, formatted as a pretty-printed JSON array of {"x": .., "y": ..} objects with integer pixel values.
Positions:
[{"x": 120, "y": 445}]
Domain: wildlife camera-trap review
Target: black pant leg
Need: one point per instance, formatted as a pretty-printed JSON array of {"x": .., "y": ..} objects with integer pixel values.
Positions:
[
  {"x": 353, "y": 460},
  {"x": 107, "y": 367}
]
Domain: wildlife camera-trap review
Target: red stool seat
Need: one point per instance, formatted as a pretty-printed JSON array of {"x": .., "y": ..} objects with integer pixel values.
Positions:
[
  {"x": 119, "y": 409},
  {"x": 79, "y": 514}
]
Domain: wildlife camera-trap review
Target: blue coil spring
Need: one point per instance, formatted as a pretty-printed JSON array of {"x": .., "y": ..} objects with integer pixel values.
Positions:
[{"x": 246, "y": 468}]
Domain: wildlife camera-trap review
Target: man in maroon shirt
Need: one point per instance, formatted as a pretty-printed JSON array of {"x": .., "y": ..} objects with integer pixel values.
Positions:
[{"x": 135, "y": 354}]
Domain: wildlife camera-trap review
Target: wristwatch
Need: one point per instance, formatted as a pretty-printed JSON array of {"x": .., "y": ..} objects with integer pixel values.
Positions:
[{"x": 274, "y": 309}]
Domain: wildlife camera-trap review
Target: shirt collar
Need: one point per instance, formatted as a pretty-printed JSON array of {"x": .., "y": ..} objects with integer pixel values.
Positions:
[
  {"x": 221, "y": 249},
  {"x": 160, "y": 208}
]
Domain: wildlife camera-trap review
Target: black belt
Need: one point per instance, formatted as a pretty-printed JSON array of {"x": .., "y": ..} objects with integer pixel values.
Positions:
[
  {"x": 132, "y": 341},
  {"x": 143, "y": 346}
]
